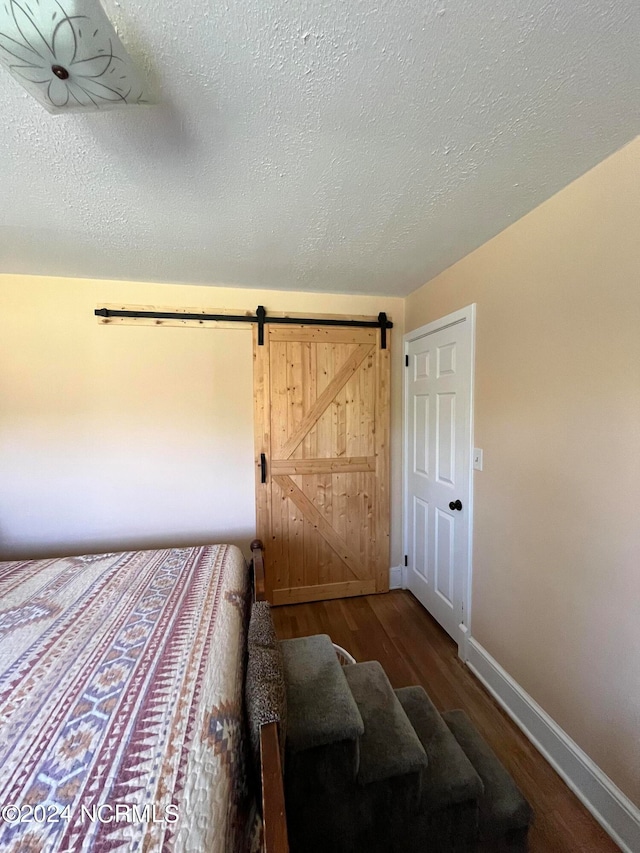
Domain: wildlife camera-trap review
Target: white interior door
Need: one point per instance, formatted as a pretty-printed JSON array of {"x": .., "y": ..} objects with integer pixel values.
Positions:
[{"x": 438, "y": 434}]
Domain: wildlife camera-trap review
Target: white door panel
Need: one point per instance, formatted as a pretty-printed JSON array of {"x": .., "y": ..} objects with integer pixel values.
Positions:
[{"x": 438, "y": 466}]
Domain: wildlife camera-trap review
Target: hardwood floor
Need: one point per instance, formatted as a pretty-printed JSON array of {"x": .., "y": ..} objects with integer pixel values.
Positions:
[{"x": 395, "y": 629}]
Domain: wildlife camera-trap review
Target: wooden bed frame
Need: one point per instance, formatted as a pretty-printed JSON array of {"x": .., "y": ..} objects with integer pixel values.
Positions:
[{"x": 273, "y": 807}]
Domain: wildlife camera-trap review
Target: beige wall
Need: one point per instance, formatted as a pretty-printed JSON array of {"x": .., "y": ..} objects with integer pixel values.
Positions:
[
  {"x": 123, "y": 436},
  {"x": 556, "y": 558}
]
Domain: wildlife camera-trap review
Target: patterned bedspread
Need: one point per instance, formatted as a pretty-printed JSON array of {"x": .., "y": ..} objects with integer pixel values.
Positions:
[{"x": 121, "y": 680}]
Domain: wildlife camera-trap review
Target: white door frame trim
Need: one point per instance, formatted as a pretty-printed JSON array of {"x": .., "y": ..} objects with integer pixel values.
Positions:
[{"x": 467, "y": 314}]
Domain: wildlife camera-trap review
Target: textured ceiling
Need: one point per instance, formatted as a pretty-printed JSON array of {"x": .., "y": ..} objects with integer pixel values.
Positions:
[{"x": 320, "y": 145}]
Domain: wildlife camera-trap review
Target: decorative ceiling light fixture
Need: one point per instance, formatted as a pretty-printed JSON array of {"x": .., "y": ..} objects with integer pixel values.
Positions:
[{"x": 67, "y": 55}]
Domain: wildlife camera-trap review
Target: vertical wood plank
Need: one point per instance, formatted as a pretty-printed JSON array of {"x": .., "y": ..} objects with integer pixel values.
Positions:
[
  {"x": 353, "y": 443},
  {"x": 309, "y": 395},
  {"x": 310, "y": 451},
  {"x": 275, "y": 572},
  {"x": 279, "y": 398},
  {"x": 382, "y": 434},
  {"x": 295, "y": 393},
  {"x": 262, "y": 438},
  {"x": 323, "y": 449},
  {"x": 296, "y": 533},
  {"x": 295, "y": 413},
  {"x": 278, "y": 572},
  {"x": 342, "y": 481},
  {"x": 334, "y": 573},
  {"x": 366, "y": 483}
]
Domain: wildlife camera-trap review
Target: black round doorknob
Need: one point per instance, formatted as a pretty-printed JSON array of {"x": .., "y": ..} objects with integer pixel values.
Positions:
[{"x": 455, "y": 504}]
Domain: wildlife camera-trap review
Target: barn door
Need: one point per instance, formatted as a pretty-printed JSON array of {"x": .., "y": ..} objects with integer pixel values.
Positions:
[{"x": 322, "y": 434}]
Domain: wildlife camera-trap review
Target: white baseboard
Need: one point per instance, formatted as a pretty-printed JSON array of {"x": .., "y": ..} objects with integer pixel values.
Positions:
[
  {"x": 614, "y": 811},
  {"x": 464, "y": 638},
  {"x": 395, "y": 578}
]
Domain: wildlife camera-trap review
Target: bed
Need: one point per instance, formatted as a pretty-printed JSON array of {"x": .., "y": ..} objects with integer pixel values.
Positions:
[{"x": 121, "y": 704}]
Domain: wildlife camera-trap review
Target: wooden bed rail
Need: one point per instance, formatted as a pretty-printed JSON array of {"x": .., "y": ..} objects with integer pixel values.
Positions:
[
  {"x": 257, "y": 549},
  {"x": 273, "y": 806}
]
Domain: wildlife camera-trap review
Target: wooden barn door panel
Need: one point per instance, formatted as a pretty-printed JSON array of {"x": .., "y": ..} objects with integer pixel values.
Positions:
[{"x": 321, "y": 397}]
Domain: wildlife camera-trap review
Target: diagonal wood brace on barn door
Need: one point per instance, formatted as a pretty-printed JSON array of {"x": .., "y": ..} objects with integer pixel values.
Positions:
[
  {"x": 337, "y": 383},
  {"x": 306, "y": 507}
]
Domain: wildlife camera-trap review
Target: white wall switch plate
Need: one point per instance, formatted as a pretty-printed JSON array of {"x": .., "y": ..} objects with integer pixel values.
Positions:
[{"x": 477, "y": 458}]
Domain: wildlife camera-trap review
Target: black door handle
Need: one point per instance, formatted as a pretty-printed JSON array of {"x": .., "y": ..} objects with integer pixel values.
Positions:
[
  {"x": 455, "y": 504},
  {"x": 263, "y": 468}
]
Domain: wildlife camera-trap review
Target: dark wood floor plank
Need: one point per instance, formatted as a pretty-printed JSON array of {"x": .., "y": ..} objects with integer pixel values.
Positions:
[{"x": 395, "y": 629}]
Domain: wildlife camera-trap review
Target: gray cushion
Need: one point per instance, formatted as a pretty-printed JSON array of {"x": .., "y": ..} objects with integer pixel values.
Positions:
[
  {"x": 450, "y": 778},
  {"x": 503, "y": 808},
  {"x": 389, "y": 745},
  {"x": 322, "y": 708}
]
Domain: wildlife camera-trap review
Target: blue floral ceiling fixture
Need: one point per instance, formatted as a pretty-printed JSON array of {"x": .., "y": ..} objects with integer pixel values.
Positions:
[{"x": 67, "y": 55}]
